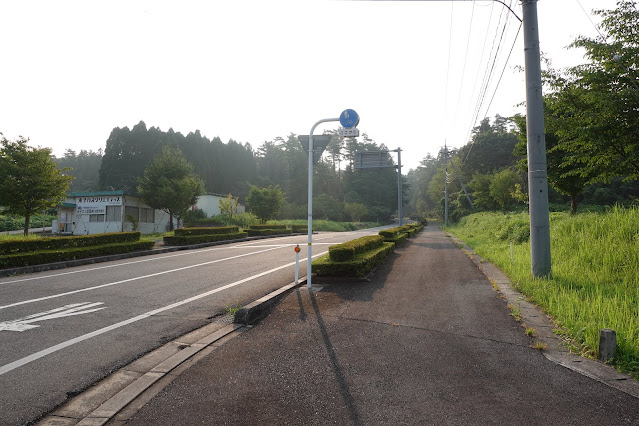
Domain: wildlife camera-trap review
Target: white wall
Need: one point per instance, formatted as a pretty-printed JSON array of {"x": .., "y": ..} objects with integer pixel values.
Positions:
[
  {"x": 81, "y": 224},
  {"x": 210, "y": 204}
]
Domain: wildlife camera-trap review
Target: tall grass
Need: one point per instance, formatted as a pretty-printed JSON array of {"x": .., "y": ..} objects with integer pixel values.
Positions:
[{"x": 595, "y": 272}]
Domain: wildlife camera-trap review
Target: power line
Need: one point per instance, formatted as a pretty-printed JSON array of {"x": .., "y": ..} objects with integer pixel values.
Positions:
[
  {"x": 450, "y": 42},
  {"x": 603, "y": 39},
  {"x": 461, "y": 84},
  {"x": 487, "y": 77},
  {"x": 504, "y": 69}
]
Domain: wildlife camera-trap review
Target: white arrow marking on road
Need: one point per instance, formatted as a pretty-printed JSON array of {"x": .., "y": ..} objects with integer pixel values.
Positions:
[{"x": 23, "y": 324}]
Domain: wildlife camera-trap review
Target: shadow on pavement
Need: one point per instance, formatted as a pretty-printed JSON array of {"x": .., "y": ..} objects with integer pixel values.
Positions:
[{"x": 349, "y": 401}]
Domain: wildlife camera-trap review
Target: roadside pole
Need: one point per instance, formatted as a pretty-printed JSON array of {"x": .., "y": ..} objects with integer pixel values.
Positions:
[
  {"x": 400, "y": 207},
  {"x": 310, "y": 198},
  {"x": 535, "y": 135},
  {"x": 349, "y": 120}
]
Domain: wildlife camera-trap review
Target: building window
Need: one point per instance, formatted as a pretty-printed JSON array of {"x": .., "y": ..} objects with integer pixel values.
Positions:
[
  {"x": 96, "y": 218},
  {"x": 132, "y": 214},
  {"x": 147, "y": 215},
  {"x": 113, "y": 214}
]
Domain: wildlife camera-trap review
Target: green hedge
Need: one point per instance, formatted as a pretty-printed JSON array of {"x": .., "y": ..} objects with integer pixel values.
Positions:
[
  {"x": 262, "y": 232},
  {"x": 185, "y": 240},
  {"x": 59, "y": 243},
  {"x": 391, "y": 232},
  {"x": 72, "y": 253},
  {"x": 398, "y": 240},
  {"x": 359, "y": 266},
  {"x": 299, "y": 228},
  {"x": 184, "y": 232},
  {"x": 268, "y": 227},
  {"x": 348, "y": 250}
]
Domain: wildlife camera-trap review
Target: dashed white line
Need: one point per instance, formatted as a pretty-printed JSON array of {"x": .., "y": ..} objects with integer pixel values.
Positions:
[
  {"x": 53, "y": 296},
  {"x": 37, "y": 355}
]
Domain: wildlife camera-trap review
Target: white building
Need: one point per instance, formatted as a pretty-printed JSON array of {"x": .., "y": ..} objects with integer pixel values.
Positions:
[
  {"x": 84, "y": 213},
  {"x": 210, "y": 204}
]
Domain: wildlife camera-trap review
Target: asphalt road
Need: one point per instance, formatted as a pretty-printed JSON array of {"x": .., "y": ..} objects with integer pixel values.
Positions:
[
  {"x": 427, "y": 341},
  {"x": 61, "y": 331}
]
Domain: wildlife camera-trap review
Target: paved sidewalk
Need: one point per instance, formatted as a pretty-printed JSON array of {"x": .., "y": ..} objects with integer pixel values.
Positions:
[{"x": 426, "y": 341}]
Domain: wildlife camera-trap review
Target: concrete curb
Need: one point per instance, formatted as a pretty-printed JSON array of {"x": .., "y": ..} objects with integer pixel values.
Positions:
[
  {"x": 252, "y": 312},
  {"x": 533, "y": 316},
  {"x": 120, "y": 395},
  {"x": 90, "y": 260}
]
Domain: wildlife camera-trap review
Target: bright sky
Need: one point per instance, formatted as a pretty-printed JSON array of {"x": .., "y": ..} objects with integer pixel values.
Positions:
[{"x": 71, "y": 71}]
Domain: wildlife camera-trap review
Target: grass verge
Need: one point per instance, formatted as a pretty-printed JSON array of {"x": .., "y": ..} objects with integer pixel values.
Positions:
[{"x": 595, "y": 272}]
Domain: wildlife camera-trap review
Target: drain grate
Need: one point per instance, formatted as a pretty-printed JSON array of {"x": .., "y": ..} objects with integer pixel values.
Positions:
[{"x": 225, "y": 319}]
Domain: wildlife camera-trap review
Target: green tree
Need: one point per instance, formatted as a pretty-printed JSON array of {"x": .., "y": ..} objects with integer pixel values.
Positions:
[
  {"x": 29, "y": 179},
  {"x": 355, "y": 211},
  {"x": 599, "y": 100},
  {"x": 564, "y": 170},
  {"x": 502, "y": 188},
  {"x": 84, "y": 167},
  {"x": 480, "y": 187},
  {"x": 327, "y": 207},
  {"x": 228, "y": 206},
  {"x": 170, "y": 184},
  {"x": 265, "y": 203}
]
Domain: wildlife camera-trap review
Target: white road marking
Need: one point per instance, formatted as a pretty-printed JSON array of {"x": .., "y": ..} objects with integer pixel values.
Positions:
[
  {"x": 249, "y": 244},
  {"x": 24, "y": 302},
  {"x": 25, "y": 323},
  {"x": 26, "y": 360}
]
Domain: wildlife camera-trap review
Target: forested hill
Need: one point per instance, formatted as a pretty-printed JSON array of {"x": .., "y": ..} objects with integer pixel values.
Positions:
[{"x": 233, "y": 167}]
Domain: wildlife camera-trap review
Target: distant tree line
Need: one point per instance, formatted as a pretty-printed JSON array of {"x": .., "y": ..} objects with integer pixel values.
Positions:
[{"x": 341, "y": 192}]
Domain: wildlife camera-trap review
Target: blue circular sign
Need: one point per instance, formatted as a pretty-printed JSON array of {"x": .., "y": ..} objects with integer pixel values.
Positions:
[{"x": 349, "y": 118}]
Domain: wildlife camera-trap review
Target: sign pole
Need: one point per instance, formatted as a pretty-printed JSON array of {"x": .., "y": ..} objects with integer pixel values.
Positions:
[
  {"x": 310, "y": 198},
  {"x": 348, "y": 119}
]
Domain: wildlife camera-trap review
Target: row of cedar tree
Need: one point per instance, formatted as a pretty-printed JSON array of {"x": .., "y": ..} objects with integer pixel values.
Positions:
[{"x": 341, "y": 192}]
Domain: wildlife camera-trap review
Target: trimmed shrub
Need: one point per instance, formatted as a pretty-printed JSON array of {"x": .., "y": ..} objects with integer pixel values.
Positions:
[
  {"x": 359, "y": 266},
  {"x": 262, "y": 232},
  {"x": 299, "y": 229},
  {"x": 392, "y": 233},
  {"x": 183, "y": 232},
  {"x": 398, "y": 240},
  {"x": 60, "y": 243},
  {"x": 185, "y": 240},
  {"x": 72, "y": 253},
  {"x": 348, "y": 250},
  {"x": 268, "y": 227}
]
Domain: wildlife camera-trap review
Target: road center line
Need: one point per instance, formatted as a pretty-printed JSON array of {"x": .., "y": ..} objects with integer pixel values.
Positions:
[
  {"x": 184, "y": 253},
  {"x": 155, "y": 258},
  {"x": 24, "y": 302},
  {"x": 26, "y": 360}
]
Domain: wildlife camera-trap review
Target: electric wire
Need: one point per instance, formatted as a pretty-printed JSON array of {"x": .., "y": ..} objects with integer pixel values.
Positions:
[
  {"x": 504, "y": 69},
  {"x": 450, "y": 38},
  {"x": 487, "y": 77},
  {"x": 496, "y": 86},
  {"x": 603, "y": 38},
  {"x": 463, "y": 74}
]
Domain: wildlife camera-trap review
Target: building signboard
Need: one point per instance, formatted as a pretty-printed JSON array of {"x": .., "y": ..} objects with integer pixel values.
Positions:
[{"x": 96, "y": 205}]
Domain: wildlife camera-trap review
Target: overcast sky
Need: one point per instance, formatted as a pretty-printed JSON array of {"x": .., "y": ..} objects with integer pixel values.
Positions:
[{"x": 71, "y": 71}]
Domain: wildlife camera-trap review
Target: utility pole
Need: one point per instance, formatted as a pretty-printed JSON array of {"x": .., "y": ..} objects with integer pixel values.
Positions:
[
  {"x": 445, "y": 184},
  {"x": 400, "y": 207},
  {"x": 535, "y": 134}
]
